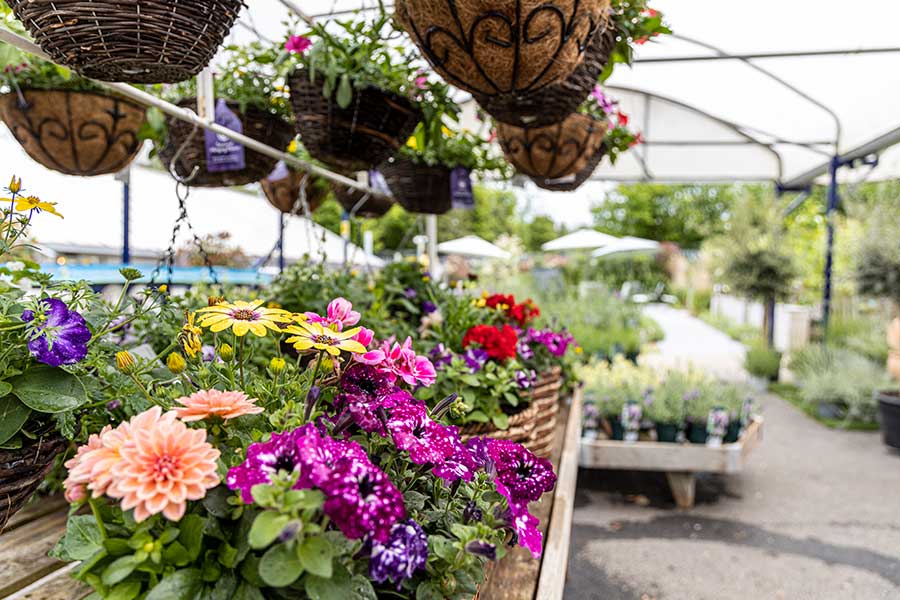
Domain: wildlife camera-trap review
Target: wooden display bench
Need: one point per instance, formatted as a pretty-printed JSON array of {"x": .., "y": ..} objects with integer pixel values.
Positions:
[
  {"x": 679, "y": 462},
  {"x": 27, "y": 573}
]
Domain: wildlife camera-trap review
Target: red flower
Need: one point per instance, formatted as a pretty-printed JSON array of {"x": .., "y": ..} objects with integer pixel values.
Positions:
[
  {"x": 650, "y": 12},
  {"x": 499, "y": 343},
  {"x": 524, "y": 313},
  {"x": 498, "y": 299},
  {"x": 638, "y": 140},
  {"x": 622, "y": 118}
]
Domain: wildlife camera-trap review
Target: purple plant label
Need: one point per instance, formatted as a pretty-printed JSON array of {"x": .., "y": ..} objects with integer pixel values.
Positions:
[
  {"x": 461, "y": 189},
  {"x": 377, "y": 182},
  {"x": 223, "y": 154},
  {"x": 279, "y": 172}
]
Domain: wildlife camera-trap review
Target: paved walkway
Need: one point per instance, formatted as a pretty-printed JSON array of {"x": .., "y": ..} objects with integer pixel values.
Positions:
[{"x": 816, "y": 516}]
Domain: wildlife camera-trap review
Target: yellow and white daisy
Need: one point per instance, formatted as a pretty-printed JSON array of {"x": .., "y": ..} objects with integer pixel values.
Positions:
[
  {"x": 307, "y": 335},
  {"x": 242, "y": 317}
]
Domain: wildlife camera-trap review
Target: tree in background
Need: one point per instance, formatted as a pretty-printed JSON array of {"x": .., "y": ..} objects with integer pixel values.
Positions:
[
  {"x": 685, "y": 214},
  {"x": 540, "y": 230}
]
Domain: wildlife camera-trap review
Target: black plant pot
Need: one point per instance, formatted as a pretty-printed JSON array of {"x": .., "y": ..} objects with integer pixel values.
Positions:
[
  {"x": 889, "y": 410},
  {"x": 697, "y": 433},
  {"x": 618, "y": 432},
  {"x": 666, "y": 432},
  {"x": 733, "y": 433}
]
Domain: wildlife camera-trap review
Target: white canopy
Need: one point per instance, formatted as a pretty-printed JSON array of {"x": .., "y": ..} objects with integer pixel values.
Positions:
[
  {"x": 628, "y": 245},
  {"x": 474, "y": 246},
  {"x": 583, "y": 239}
]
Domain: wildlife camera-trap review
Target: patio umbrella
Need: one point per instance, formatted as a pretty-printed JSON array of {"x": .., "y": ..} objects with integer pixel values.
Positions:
[
  {"x": 474, "y": 246},
  {"x": 583, "y": 239},
  {"x": 629, "y": 245}
]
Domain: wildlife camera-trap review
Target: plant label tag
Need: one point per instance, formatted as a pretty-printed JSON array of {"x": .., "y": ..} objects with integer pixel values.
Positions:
[
  {"x": 461, "y": 189},
  {"x": 377, "y": 182},
  {"x": 279, "y": 172},
  {"x": 223, "y": 154}
]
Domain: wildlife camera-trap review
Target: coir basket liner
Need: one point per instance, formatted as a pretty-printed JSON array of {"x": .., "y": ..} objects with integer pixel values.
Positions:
[
  {"x": 284, "y": 193},
  {"x": 76, "y": 133},
  {"x": 418, "y": 188},
  {"x": 359, "y": 137},
  {"x": 553, "y": 151},
  {"x": 572, "y": 182},
  {"x": 555, "y": 102},
  {"x": 23, "y": 470},
  {"x": 136, "y": 41},
  {"x": 493, "y": 47},
  {"x": 257, "y": 124}
]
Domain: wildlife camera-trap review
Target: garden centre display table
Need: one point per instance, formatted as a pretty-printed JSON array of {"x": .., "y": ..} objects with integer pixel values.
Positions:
[
  {"x": 27, "y": 573},
  {"x": 680, "y": 462}
]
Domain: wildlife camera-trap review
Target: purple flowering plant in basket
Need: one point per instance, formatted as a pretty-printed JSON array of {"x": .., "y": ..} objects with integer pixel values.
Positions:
[{"x": 315, "y": 477}]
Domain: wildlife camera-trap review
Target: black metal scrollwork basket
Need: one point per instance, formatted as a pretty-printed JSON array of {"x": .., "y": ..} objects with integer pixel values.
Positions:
[
  {"x": 418, "y": 188},
  {"x": 136, "y": 41},
  {"x": 76, "y": 133},
  {"x": 284, "y": 193},
  {"x": 504, "y": 46}
]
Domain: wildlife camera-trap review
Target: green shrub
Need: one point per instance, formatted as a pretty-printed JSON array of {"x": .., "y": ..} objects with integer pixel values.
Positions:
[{"x": 762, "y": 361}]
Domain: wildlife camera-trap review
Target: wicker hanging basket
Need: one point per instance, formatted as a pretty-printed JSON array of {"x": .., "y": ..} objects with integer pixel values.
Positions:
[
  {"x": 257, "y": 124},
  {"x": 150, "y": 41},
  {"x": 505, "y": 46},
  {"x": 375, "y": 205},
  {"x": 23, "y": 470},
  {"x": 76, "y": 133},
  {"x": 571, "y": 183},
  {"x": 545, "y": 396},
  {"x": 520, "y": 429},
  {"x": 356, "y": 138},
  {"x": 284, "y": 193},
  {"x": 418, "y": 188},
  {"x": 555, "y": 102},
  {"x": 553, "y": 151}
]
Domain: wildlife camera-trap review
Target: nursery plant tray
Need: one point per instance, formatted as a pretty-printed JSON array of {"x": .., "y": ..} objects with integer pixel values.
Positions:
[{"x": 680, "y": 462}]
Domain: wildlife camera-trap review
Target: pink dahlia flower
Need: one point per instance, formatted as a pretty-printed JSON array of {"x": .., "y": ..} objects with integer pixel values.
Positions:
[{"x": 215, "y": 403}]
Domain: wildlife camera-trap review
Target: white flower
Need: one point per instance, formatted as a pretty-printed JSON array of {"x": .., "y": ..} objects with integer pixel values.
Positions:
[{"x": 15, "y": 265}]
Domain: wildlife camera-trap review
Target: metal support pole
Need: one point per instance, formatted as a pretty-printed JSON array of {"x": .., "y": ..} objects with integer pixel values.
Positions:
[
  {"x": 126, "y": 223},
  {"x": 431, "y": 231},
  {"x": 833, "y": 201},
  {"x": 281, "y": 264}
]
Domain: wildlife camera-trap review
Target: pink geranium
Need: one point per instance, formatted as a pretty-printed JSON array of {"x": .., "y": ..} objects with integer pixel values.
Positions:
[
  {"x": 297, "y": 44},
  {"x": 340, "y": 314}
]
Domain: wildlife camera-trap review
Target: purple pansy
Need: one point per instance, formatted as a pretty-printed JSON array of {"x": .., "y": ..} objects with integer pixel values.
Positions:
[
  {"x": 59, "y": 336},
  {"x": 476, "y": 358},
  {"x": 404, "y": 553},
  {"x": 521, "y": 476},
  {"x": 425, "y": 440}
]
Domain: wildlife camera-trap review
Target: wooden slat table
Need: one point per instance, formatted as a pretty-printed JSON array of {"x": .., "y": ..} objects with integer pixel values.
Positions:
[{"x": 679, "y": 462}]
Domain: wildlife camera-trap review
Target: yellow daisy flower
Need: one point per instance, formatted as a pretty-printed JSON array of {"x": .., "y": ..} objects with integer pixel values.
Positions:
[
  {"x": 312, "y": 336},
  {"x": 29, "y": 203},
  {"x": 190, "y": 336},
  {"x": 242, "y": 317}
]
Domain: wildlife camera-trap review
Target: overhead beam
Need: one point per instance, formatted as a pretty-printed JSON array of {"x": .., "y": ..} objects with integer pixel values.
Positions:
[{"x": 765, "y": 55}]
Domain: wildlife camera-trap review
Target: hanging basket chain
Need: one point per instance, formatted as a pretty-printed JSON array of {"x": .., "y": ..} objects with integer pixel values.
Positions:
[{"x": 182, "y": 192}]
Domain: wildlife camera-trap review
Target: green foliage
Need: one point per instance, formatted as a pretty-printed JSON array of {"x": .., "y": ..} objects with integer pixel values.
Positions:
[
  {"x": 878, "y": 255},
  {"x": 864, "y": 334},
  {"x": 762, "y": 361},
  {"x": 739, "y": 333},
  {"x": 540, "y": 230},
  {"x": 635, "y": 23},
  {"x": 309, "y": 285},
  {"x": 491, "y": 217},
  {"x": 615, "y": 271}
]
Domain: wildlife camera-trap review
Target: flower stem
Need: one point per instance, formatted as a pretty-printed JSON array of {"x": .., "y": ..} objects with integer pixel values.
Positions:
[
  {"x": 96, "y": 512},
  {"x": 243, "y": 381}
]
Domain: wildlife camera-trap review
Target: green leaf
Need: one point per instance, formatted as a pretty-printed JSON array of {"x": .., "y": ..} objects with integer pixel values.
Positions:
[
  {"x": 246, "y": 591},
  {"x": 428, "y": 591},
  {"x": 119, "y": 569},
  {"x": 191, "y": 536},
  {"x": 471, "y": 381},
  {"x": 49, "y": 390},
  {"x": 180, "y": 585},
  {"x": 280, "y": 566},
  {"x": 5, "y": 388},
  {"x": 266, "y": 528},
  {"x": 500, "y": 421},
  {"x": 315, "y": 555},
  {"x": 344, "y": 92},
  {"x": 228, "y": 556},
  {"x": 176, "y": 554},
  {"x": 216, "y": 501},
  {"x": 127, "y": 590},
  {"x": 414, "y": 500},
  {"x": 477, "y": 416},
  {"x": 443, "y": 547},
  {"x": 82, "y": 539}
]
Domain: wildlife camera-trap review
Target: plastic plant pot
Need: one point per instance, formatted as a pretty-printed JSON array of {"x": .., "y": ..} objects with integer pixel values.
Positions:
[
  {"x": 666, "y": 432},
  {"x": 889, "y": 411}
]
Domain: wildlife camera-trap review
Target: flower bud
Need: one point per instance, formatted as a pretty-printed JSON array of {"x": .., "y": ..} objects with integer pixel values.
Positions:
[
  {"x": 114, "y": 405},
  {"x": 277, "y": 365},
  {"x": 130, "y": 274},
  {"x": 226, "y": 352},
  {"x": 125, "y": 362},
  {"x": 214, "y": 300},
  {"x": 482, "y": 548},
  {"x": 176, "y": 363},
  {"x": 162, "y": 289},
  {"x": 15, "y": 186}
]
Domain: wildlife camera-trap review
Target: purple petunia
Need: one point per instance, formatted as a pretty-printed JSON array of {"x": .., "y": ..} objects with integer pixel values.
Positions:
[
  {"x": 525, "y": 378},
  {"x": 476, "y": 358},
  {"x": 557, "y": 343},
  {"x": 426, "y": 440},
  {"x": 521, "y": 476},
  {"x": 526, "y": 525},
  {"x": 428, "y": 307},
  {"x": 280, "y": 453},
  {"x": 362, "y": 392},
  {"x": 441, "y": 356},
  {"x": 58, "y": 336},
  {"x": 462, "y": 464},
  {"x": 404, "y": 553}
]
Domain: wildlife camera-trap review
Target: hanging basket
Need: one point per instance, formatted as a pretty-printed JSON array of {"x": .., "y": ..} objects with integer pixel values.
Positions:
[
  {"x": 545, "y": 396},
  {"x": 376, "y": 205},
  {"x": 502, "y": 47},
  {"x": 356, "y": 138},
  {"x": 571, "y": 183},
  {"x": 76, "y": 133},
  {"x": 284, "y": 193},
  {"x": 258, "y": 124},
  {"x": 151, "y": 41},
  {"x": 556, "y": 151},
  {"x": 520, "y": 429},
  {"x": 23, "y": 470},
  {"x": 418, "y": 188},
  {"x": 555, "y": 102}
]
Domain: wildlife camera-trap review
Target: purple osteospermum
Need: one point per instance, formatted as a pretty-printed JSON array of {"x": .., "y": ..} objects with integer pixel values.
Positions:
[
  {"x": 404, "y": 553},
  {"x": 476, "y": 358},
  {"x": 428, "y": 307},
  {"x": 58, "y": 337},
  {"x": 264, "y": 460},
  {"x": 361, "y": 500},
  {"x": 424, "y": 439},
  {"x": 441, "y": 356},
  {"x": 521, "y": 476}
]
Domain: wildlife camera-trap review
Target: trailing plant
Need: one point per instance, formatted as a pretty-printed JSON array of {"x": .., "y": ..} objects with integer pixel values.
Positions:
[
  {"x": 635, "y": 23},
  {"x": 618, "y": 137}
]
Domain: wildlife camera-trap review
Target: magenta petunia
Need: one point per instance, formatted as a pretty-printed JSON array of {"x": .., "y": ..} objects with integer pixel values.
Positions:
[
  {"x": 297, "y": 44},
  {"x": 526, "y": 525},
  {"x": 462, "y": 464},
  {"x": 521, "y": 476},
  {"x": 265, "y": 459},
  {"x": 425, "y": 440},
  {"x": 361, "y": 500}
]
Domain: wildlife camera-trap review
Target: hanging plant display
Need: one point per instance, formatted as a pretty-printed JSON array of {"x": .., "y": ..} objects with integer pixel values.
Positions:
[
  {"x": 287, "y": 188},
  {"x": 432, "y": 173},
  {"x": 502, "y": 47},
  {"x": 631, "y": 22},
  {"x": 152, "y": 41},
  {"x": 66, "y": 123},
  {"x": 363, "y": 204},
  {"x": 351, "y": 93},
  {"x": 249, "y": 101}
]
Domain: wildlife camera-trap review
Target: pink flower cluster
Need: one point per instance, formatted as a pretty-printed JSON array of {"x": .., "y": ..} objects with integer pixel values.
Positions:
[
  {"x": 401, "y": 361},
  {"x": 338, "y": 316},
  {"x": 153, "y": 463}
]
